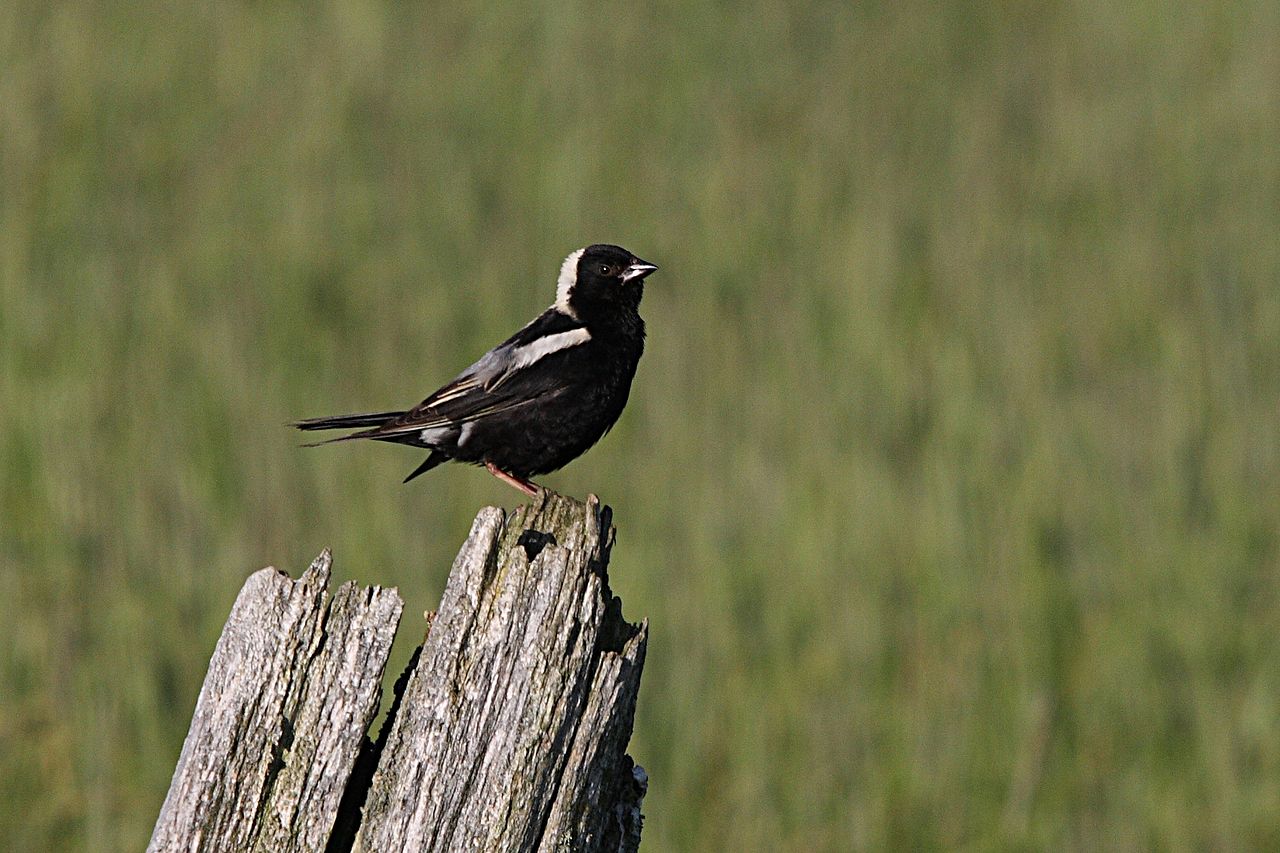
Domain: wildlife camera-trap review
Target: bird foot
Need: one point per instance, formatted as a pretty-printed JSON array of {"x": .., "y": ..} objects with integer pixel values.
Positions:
[{"x": 529, "y": 488}]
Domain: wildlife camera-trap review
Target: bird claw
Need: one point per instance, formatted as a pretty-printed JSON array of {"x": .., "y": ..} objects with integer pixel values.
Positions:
[{"x": 529, "y": 488}]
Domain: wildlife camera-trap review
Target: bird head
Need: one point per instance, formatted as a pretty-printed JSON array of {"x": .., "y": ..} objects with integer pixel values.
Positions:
[{"x": 601, "y": 278}]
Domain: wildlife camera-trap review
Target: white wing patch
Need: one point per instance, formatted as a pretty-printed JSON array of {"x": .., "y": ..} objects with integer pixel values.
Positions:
[
  {"x": 543, "y": 347},
  {"x": 540, "y": 349},
  {"x": 433, "y": 434},
  {"x": 466, "y": 432},
  {"x": 568, "y": 275}
]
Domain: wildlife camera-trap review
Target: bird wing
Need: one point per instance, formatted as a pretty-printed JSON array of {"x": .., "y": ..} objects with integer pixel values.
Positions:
[{"x": 516, "y": 372}]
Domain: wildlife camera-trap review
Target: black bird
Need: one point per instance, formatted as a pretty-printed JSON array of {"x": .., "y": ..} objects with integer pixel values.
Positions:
[{"x": 540, "y": 399}]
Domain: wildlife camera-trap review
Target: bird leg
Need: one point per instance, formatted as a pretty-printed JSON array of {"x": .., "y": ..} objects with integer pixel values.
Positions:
[{"x": 530, "y": 489}]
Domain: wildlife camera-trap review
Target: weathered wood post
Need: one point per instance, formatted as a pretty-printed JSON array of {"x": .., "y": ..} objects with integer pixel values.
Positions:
[{"x": 508, "y": 730}]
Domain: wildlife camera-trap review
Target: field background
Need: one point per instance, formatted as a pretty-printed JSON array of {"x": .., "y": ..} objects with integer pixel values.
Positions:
[{"x": 951, "y": 478}]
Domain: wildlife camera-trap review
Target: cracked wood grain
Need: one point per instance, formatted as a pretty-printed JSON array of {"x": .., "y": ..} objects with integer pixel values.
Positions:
[
  {"x": 292, "y": 686},
  {"x": 513, "y": 730},
  {"x": 508, "y": 730}
]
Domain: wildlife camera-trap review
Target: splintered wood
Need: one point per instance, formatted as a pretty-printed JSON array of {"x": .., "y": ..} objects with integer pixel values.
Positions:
[{"x": 509, "y": 730}]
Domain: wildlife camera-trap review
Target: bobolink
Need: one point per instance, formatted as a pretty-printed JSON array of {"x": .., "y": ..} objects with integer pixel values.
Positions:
[{"x": 541, "y": 398}]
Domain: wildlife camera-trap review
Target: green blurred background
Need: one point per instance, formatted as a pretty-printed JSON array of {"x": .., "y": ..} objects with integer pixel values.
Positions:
[{"x": 950, "y": 482}]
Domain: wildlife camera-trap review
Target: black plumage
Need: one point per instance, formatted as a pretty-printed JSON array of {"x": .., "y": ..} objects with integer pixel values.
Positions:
[{"x": 544, "y": 396}]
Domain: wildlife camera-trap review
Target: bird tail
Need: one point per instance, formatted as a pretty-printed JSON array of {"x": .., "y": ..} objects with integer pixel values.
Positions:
[
  {"x": 430, "y": 462},
  {"x": 348, "y": 421},
  {"x": 370, "y": 419}
]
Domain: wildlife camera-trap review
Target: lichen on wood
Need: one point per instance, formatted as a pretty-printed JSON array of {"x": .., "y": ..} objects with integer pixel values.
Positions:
[{"x": 513, "y": 730}]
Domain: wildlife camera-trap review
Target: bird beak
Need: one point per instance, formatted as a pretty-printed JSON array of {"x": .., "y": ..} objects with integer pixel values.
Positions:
[{"x": 637, "y": 271}]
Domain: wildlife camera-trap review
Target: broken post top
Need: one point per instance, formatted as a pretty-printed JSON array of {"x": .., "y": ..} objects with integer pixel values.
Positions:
[
  {"x": 522, "y": 701},
  {"x": 554, "y": 519},
  {"x": 510, "y": 730}
]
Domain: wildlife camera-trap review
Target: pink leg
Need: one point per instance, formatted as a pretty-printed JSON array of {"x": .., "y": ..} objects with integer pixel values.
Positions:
[{"x": 530, "y": 489}]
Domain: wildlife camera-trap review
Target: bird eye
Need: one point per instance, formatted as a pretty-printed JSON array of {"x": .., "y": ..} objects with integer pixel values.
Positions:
[{"x": 605, "y": 269}]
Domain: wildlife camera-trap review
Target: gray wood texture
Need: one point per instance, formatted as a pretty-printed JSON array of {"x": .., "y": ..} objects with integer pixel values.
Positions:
[
  {"x": 508, "y": 730},
  {"x": 513, "y": 729},
  {"x": 292, "y": 687}
]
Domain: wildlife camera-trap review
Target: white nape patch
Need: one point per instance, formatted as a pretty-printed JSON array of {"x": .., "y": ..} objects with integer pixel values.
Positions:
[
  {"x": 434, "y": 434},
  {"x": 568, "y": 275}
]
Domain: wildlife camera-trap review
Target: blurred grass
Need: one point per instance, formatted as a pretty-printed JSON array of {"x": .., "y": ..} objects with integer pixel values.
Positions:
[{"x": 951, "y": 479}]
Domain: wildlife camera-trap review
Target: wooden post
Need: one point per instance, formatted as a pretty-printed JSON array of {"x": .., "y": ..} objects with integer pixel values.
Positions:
[{"x": 508, "y": 730}]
